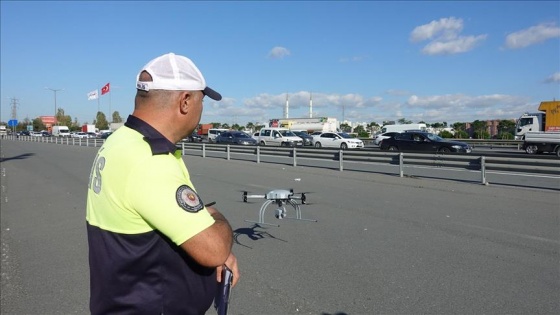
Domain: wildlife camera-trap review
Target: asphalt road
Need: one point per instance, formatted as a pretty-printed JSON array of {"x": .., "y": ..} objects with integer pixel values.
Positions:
[{"x": 382, "y": 244}]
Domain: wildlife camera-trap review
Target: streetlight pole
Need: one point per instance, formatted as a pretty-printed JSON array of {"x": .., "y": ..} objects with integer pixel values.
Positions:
[{"x": 54, "y": 90}]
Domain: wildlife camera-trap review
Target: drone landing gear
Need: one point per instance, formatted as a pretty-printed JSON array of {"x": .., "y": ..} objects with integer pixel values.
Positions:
[{"x": 280, "y": 213}]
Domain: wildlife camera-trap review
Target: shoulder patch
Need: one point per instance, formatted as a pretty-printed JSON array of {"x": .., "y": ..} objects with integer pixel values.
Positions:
[{"x": 188, "y": 199}]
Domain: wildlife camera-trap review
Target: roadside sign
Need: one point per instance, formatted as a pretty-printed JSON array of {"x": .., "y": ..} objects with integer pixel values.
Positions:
[
  {"x": 29, "y": 127},
  {"x": 12, "y": 122}
]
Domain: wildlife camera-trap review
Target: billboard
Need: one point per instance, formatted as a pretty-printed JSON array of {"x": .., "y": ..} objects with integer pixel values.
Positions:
[{"x": 48, "y": 120}]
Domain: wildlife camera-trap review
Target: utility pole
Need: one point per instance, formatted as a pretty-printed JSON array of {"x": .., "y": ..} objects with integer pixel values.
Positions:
[
  {"x": 287, "y": 107},
  {"x": 54, "y": 90},
  {"x": 14, "y": 104}
]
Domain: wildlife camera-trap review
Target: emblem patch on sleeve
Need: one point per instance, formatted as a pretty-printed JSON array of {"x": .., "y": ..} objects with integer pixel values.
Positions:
[{"x": 188, "y": 199}]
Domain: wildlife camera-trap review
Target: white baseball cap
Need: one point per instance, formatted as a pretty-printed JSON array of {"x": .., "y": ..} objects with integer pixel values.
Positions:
[{"x": 174, "y": 73}]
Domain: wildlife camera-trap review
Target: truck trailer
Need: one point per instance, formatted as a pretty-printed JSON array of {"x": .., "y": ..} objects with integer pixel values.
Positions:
[
  {"x": 322, "y": 124},
  {"x": 540, "y": 131},
  {"x": 88, "y": 128}
]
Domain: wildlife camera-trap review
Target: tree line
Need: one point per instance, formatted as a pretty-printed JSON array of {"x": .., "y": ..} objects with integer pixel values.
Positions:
[{"x": 62, "y": 119}]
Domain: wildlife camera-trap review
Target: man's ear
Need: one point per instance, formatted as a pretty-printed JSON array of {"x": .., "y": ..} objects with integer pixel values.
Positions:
[{"x": 185, "y": 99}]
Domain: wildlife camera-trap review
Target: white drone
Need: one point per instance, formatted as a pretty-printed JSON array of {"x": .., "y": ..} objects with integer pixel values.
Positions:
[{"x": 281, "y": 197}]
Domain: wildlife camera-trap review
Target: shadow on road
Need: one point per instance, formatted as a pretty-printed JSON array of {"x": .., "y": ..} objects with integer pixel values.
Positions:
[
  {"x": 17, "y": 157},
  {"x": 252, "y": 234}
]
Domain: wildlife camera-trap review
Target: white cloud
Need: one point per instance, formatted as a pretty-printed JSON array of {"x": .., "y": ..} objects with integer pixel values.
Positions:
[
  {"x": 532, "y": 35},
  {"x": 555, "y": 77},
  {"x": 278, "y": 52},
  {"x": 444, "y": 28},
  {"x": 455, "y": 46},
  {"x": 444, "y": 37},
  {"x": 465, "y": 108}
]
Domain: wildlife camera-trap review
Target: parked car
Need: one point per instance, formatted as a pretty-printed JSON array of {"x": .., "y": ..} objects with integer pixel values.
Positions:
[
  {"x": 91, "y": 134},
  {"x": 307, "y": 139},
  {"x": 423, "y": 141},
  {"x": 45, "y": 134},
  {"x": 235, "y": 137},
  {"x": 337, "y": 140},
  {"x": 382, "y": 136}
]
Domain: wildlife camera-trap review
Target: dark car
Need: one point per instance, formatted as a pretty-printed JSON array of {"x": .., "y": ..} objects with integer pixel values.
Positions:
[
  {"x": 235, "y": 137},
  {"x": 105, "y": 135},
  {"x": 307, "y": 139},
  {"x": 194, "y": 137},
  {"x": 423, "y": 141},
  {"x": 382, "y": 136},
  {"x": 45, "y": 134}
]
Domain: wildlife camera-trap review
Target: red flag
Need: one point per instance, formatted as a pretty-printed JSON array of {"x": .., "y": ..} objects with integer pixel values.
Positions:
[{"x": 105, "y": 89}]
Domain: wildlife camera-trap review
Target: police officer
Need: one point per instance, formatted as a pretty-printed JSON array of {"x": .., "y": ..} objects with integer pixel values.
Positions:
[{"x": 154, "y": 248}]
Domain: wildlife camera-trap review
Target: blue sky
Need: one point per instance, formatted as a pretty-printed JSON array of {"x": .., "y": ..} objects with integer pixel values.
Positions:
[{"x": 362, "y": 61}]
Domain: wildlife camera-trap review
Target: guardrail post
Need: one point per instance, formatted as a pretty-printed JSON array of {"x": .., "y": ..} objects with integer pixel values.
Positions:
[
  {"x": 340, "y": 160},
  {"x": 258, "y": 154},
  {"x": 228, "y": 152},
  {"x": 182, "y": 148},
  {"x": 295, "y": 158},
  {"x": 483, "y": 170},
  {"x": 204, "y": 150},
  {"x": 401, "y": 164}
]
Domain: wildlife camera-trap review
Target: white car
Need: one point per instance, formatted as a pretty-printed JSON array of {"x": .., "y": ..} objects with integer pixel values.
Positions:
[
  {"x": 337, "y": 140},
  {"x": 381, "y": 136},
  {"x": 279, "y": 136},
  {"x": 81, "y": 135}
]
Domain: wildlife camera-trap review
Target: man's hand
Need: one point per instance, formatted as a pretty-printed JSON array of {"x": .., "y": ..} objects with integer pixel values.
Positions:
[{"x": 231, "y": 262}]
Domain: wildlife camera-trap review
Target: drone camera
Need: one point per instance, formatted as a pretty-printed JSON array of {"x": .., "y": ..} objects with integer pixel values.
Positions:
[{"x": 280, "y": 213}]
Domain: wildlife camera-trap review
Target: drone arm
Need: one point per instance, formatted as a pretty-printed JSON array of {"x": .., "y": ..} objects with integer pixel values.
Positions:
[{"x": 256, "y": 196}]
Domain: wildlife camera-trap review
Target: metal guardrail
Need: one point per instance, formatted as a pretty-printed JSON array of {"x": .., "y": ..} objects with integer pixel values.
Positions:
[
  {"x": 451, "y": 161},
  {"x": 256, "y": 153},
  {"x": 88, "y": 142}
]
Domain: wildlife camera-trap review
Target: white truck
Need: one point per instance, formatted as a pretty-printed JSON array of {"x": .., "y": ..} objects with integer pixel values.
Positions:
[
  {"x": 539, "y": 142},
  {"x": 322, "y": 124},
  {"x": 60, "y": 131},
  {"x": 540, "y": 131},
  {"x": 548, "y": 119}
]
